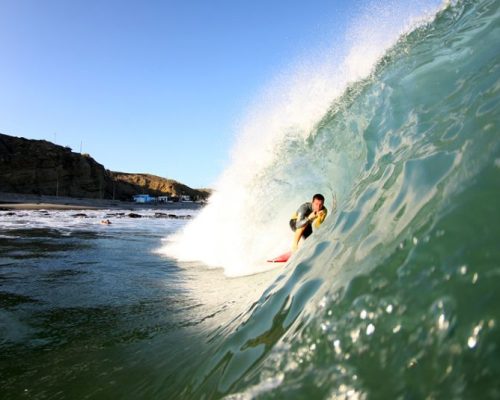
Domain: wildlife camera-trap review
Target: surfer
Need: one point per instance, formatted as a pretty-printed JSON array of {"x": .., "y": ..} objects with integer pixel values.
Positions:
[{"x": 307, "y": 215}]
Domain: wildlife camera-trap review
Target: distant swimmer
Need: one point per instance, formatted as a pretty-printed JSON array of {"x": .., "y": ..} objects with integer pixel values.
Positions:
[
  {"x": 105, "y": 222},
  {"x": 308, "y": 215}
]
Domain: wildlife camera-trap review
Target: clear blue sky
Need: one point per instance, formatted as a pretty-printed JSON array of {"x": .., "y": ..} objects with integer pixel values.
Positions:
[{"x": 149, "y": 86}]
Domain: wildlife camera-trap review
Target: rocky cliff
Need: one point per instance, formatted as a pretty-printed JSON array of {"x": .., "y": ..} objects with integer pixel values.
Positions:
[{"x": 44, "y": 168}]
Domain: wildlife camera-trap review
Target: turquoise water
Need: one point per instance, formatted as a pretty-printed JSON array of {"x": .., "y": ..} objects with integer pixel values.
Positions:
[{"x": 396, "y": 296}]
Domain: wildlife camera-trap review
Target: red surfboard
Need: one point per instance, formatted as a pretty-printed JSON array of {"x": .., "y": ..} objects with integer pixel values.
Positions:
[{"x": 282, "y": 258}]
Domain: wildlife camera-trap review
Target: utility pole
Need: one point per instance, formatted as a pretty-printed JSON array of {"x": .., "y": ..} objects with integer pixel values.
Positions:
[{"x": 81, "y": 145}]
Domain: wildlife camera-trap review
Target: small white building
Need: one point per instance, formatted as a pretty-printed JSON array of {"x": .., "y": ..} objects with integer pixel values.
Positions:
[
  {"x": 143, "y": 198},
  {"x": 186, "y": 199}
]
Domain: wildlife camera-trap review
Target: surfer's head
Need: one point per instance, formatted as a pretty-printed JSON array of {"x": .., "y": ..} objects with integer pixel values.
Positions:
[{"x": 317, "y": 202}]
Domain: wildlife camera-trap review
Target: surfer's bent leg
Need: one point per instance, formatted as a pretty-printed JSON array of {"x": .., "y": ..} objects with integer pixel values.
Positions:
[
  {"x": 307, "y": 231},
  {"x": 296, "y": 237},
  {"x": 304, "y": 232}
]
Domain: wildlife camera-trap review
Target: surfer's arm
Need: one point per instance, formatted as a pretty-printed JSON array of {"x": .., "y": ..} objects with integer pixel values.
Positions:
[
  {"x": 320, "y": 217},
  {"x": 304, "y": 216},
  {"x": 302, "y": 221}
]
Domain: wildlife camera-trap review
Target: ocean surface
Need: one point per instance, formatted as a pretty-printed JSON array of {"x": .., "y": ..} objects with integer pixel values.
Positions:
[
  {"x": 94, "y": 311},
  {"x": 396, "y": 296}
]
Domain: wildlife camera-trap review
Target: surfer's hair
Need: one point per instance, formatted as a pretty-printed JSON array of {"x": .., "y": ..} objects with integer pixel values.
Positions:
[{"x": 319, "y": 196}]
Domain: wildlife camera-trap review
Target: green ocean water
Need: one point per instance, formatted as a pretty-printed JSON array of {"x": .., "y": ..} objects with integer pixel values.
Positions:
[{"x": 395, "y": 297}]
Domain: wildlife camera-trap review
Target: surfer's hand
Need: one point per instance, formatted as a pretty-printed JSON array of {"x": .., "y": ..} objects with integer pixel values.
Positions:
[{"x": 312, "y": 216}]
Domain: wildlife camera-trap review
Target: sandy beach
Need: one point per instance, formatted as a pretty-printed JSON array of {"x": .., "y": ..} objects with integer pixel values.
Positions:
[
  {"x": 44, "y": 206},
  {"x": 14, "y": 201}
]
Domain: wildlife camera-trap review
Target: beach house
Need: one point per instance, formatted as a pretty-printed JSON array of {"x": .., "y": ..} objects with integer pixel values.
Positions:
[{"x": 143, "y": 198}]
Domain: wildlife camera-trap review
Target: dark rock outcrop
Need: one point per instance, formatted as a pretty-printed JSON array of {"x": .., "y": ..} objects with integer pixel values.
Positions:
[
  {"x": 80, "y": 215},
  {"x": 134, "y": 215}
]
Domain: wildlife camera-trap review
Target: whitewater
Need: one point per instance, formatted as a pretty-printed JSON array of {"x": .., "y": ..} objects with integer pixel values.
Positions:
[{"x": 394, "y": 296}]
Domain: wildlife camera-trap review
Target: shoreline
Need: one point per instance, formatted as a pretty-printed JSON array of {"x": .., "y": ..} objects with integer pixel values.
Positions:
[
  {"x": 44, "y": 206},
  {"x": 14, "y": 201}
]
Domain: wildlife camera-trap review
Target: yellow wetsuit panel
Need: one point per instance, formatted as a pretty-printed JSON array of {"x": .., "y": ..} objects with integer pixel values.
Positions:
[{"x": 319, "y": 220}]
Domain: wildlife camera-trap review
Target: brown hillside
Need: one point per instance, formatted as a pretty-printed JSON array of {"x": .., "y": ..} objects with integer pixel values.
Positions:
[{"x": 155, "y": 185}]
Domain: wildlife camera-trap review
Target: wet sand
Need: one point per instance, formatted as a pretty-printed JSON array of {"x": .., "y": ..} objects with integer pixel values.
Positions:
[
  {"x": 13, "y": 201},
  {"x": 45, "y": 206}
]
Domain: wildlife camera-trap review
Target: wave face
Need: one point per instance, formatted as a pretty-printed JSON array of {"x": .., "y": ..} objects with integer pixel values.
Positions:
[{"x": 396, "y": 294}]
